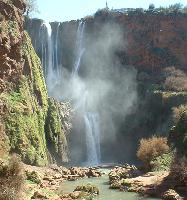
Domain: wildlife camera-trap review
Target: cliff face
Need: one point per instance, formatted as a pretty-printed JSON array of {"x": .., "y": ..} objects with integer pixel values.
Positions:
[
  {"x": 155, "y": 41},
  {"x": 151, "y": 41},
  {"x": 24, "y": 104}
]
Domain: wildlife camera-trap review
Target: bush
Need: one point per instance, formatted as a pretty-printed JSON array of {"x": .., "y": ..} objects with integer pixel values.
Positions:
[
  {"x": 11, "y": 179},
  {"x": 151, "y": 148},
  {"x": 33, "y": 176},
  {"x": 163, "y": 162},
  {"x": 178, "y": 171},
  {"x": 88, "y": 18},
  {"x": 178, "y": 111},
  {"x": 176, "y": 80}
]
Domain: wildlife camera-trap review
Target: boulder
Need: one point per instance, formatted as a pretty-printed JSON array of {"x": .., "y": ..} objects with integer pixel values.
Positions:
[
  {"x": 39, "y": 195},
  {"x": 171, "y": 195}
]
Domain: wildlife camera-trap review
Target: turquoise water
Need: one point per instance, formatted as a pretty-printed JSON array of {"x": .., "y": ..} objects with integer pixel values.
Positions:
[{"x": 105, "y": 192}]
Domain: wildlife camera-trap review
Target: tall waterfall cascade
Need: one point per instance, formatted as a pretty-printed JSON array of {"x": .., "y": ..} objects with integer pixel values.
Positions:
[
  {"x": 49, "y": 56},
  {"x": 82, "y": 65},
  {"x": 91, "y": 119},
  {"x": 53, "y": 76}
]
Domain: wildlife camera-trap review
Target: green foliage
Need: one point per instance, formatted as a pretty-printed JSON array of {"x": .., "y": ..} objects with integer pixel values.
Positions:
[
  {"x": 163, "y": 162},
  {"x": 175, "y": 8},
  {"x": 151, "y": 148},
  {"x": 151, "y": 7},
  {"x": 31, "y": 7},
  {"x": 56, "y": 139},
  {"x": 27, "y": 110},
  {"x": 33, "y": 177},
  {"x": 178, "y": 134},
  {"x": 172, "y": 9},
  {"x": 13, "y": 28}
]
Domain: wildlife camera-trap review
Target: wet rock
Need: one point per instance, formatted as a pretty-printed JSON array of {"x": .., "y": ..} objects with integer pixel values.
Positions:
[
  {"x": 119, "y": 173},
  {"x": 73, "y": 177},
  {"x": 74, "y": 195},
  {"x": 171, "y": 195},
  {"x": 115, "y": 185},
  {"x": 91, "y": 189}
]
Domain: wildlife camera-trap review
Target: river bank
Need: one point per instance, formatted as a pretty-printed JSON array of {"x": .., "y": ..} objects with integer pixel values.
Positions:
[{"x": 58, "y": 183}]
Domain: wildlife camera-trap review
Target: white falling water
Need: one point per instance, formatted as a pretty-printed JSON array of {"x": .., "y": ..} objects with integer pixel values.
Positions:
[
  {"x": 50, "y": 76},
  {"x": 56, "y": 51},
  {"x": 79, "y": 48},
  {"x": 50, "y": 57},
  {"x": 92, "y": 137},
  {"x": 91, "y": 119}
]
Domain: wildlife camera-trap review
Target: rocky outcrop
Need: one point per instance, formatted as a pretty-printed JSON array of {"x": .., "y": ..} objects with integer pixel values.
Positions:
[
  {"x": 57, "y": 127},
  {"x": 172, "y": 195},
  {"x": 24, "y": 106},
  {"x": 118, "y": 174}
]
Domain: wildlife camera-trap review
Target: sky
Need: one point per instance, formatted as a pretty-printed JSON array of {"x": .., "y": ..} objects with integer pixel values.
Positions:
[{"x": 66, "y": 10}]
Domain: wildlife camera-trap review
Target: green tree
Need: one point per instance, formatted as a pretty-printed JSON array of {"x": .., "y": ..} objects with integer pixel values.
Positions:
[
  {"x": 176, "y": 8},
  {"x": 151, "y": 7},
  {"x": 31, "y": 7}
]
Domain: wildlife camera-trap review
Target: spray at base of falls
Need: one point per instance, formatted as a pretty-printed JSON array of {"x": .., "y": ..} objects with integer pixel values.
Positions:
[{"x": 91, "y": 119}]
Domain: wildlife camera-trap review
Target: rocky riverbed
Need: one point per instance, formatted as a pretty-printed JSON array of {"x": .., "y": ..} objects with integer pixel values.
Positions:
[
  {"x": 45, "y": 182},
  {"x": 52, "y": 183}
]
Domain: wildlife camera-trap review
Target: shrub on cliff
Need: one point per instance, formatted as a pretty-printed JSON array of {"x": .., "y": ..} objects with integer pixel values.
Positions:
[
  {"x": 11, "y": 179},
  {"x": 176, "y": 80},
  {"x": 31, "y": 7},
  {"x": 149, "y": 149},
  {"x": 163, "y": 162},
  {"x": 178, "y": 134},
  {"x": 178, "y": 111}
]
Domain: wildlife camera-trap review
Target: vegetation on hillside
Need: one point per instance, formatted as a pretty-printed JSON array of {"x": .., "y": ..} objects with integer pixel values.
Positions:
[
  {"x": 170, "y": 10},
  {"x": 150, "y": 149},
  {"x": 11, "y": 179},
  {"x": 31, "y": 7}
]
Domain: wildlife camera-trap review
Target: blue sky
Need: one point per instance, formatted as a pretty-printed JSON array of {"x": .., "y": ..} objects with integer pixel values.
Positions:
[{"x": 65, "y": 10}]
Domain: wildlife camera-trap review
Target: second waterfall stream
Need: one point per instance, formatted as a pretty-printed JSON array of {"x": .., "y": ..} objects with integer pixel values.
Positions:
[{"x": 91, "y": 118}]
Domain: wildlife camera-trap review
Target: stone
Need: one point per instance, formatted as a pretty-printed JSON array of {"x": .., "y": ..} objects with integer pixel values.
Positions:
[
  {"x": 39, "y": 195},
  {"x": 171, "y": 195}
]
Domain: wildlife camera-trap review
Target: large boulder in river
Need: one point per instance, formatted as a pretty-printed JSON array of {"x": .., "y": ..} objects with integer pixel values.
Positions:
[
  {"x": 119, "y": 173},
  {"x": 91, "y": 189}
]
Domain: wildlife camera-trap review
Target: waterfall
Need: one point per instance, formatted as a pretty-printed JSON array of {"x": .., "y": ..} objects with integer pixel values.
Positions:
[
  {"x": 91, "y": 119},
  {"x": 92, "y": 138},
  {"x": 79, "y": 48},
  {"x": 79, "y": 93},
  {"x": 50, "y": 76},
  {"x": 49, "y": 54},
  {"x": 56, "y": 51}
]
